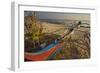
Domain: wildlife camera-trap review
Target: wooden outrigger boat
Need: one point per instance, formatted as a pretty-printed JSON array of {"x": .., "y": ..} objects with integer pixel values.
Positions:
[{"x": 47, "y": 52}]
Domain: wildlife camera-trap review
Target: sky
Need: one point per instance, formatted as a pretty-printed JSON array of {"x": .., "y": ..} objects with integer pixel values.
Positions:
[{"x": 57, "y": 15}]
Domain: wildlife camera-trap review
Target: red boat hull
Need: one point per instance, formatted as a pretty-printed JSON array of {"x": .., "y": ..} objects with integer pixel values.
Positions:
[{"x": 44, "y": 55}]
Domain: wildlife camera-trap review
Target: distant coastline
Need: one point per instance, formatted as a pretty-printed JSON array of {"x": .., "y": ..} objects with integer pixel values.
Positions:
[{"x": 64, "y": 21}]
